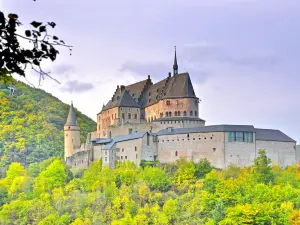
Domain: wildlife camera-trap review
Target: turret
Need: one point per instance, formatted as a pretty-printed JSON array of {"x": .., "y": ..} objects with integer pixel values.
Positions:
[{"x": 72, "y": 134}]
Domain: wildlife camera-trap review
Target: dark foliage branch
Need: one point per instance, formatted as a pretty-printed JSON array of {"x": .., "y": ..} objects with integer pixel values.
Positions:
[{"x": 14, "y": 58}]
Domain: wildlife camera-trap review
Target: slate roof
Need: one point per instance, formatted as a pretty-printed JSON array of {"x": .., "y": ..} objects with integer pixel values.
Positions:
[
  {"x": 121, "y": 99},
  {"x": 177, "y": 118},
  {"x": 124, "y": 138},
  {"x": 261, "y": 134},
  {"x": 144, "y": 93},
  {"x": 72, "y": 118},
  {"x": 207, "y": 129},
  {"x": 180, "y": 86},
  {"x": 272, "y": 135},
  {"x": 101, "y": 140}
]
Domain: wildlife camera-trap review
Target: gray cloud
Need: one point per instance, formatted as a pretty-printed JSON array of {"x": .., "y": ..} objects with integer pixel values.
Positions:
[
  {"x": 63, "y": 68},
  {"x": 76, "y": 86},
  {"x": 205, "y": 52}
]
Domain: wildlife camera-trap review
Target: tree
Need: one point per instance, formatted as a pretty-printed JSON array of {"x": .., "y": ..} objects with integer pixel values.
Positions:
[
  {"x": 203, "y": 167},
  {"x": 15, "y": 58},
  {"x": 263, "y": 168}
]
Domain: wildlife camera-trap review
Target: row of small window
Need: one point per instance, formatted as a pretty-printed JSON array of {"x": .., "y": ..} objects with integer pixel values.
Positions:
[
  {"x": 240, "y": 137},
  {"x": 121, "y": 157},
  {"x": 169, "y": 114},
  {"x": 187, "y": 139},
  {"x": 178, "y": 113},
  {"x": 168, "y": 102},
  {"x": 171, "y": 122}
]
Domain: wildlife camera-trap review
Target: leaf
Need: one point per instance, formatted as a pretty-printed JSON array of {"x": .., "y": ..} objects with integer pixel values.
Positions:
[
  {"x": 2, "y": 18},
  {"x": 42, "y": 28},
  {"x": 44, "y": 47},
  {"x": 55, "y": 38},
  {"x": 28, "y": 33},
  {"x": 36, "y": 24},
  {"x": 36, "y": 62},
  {"x": 62, "y": 41},
  {"x": 12, "y": 16},
  {"x": 52, "y": 24}
]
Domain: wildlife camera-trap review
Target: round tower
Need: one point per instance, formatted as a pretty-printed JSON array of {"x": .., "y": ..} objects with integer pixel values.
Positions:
[{"x": 72, "y": 133}]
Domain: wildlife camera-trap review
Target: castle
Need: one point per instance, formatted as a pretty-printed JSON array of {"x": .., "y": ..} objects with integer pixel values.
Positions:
[{"x": 160, "y": 121}]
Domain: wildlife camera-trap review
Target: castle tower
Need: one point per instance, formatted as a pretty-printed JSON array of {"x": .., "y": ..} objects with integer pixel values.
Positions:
[{"x": 72, "y": 134}]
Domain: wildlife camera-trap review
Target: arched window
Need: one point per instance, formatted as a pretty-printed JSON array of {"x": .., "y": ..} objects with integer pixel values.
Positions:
[
  {"x": 170, "y": 114},
  {"x": 166, "y": 114},
  {"x": 175, "y": 113},
  {"x": 196, "y": 113},
  {"x": 191, "y": 113},
  {"x": 178, "y": 113},
  {"x": 184, "y": 113},
  {"x": 176, "y": 153}
]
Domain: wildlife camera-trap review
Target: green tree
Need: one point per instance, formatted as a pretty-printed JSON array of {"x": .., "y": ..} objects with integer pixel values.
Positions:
[
  {"x": 262, "y": 168},
  {"x": 202, "y": 167}
]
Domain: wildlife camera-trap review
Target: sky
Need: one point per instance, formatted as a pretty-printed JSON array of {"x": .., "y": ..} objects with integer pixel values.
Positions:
[{"x": 242, "y": 55}]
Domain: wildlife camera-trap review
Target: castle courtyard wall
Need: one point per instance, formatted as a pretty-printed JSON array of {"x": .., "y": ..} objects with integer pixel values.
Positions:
[
  {"x": 192, "y": 147},
  {"x": 281, "y": 153}
]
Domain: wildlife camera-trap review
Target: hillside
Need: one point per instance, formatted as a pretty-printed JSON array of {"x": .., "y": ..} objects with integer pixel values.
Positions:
[
  {"x": 176, "y": 193},
  {"x": 31, "y": 125}
]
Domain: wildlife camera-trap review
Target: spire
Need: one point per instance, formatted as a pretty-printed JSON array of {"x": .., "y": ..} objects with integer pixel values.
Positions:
[
  {"x": 175, "y": 66},
  {"x": 72, "y": 118}
]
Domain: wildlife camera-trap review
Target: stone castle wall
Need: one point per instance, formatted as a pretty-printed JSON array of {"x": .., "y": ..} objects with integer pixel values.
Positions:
[{"x": 171, "y": 107}]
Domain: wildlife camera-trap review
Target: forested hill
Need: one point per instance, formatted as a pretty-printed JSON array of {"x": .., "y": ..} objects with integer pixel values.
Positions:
[{"x": 31, "y": 125}]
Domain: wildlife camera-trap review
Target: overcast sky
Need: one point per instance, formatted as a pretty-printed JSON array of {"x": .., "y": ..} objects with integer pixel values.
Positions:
[{"x": 242, "y": 55}]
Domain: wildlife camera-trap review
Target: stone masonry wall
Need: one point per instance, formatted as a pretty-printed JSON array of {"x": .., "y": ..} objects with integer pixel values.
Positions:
[
  {"x": 281, "y": 153},
  {"x": 193, "y": 147},
  {"x": 175, "y": 105}
]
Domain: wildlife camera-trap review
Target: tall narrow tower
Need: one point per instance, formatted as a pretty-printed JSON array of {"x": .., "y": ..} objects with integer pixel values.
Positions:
[
  {"x": 175, "y": 66},
  {"x": 72, "y": 133}
]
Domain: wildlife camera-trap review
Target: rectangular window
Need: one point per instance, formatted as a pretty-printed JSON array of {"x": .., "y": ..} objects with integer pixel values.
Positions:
[
  {"x": 135, "y": 148},
  {"x": 248, "y": 137},
  {"x": 239, "y": 136},
  {"x": 129, "y": 116},
  {"x": 231, "y": 136},
  {"x": 121, "y": 157},
  {"x": 136, "y": 156},
  {"x": 135, "y": 116},
  {"x": 123, "y": 116},
  {"x": 125, "y": 156},
  {"x": 105, "y": 159}
]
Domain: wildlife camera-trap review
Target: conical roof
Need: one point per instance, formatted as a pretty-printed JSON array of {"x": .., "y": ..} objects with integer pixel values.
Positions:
[{"x": 72, "y": 118}]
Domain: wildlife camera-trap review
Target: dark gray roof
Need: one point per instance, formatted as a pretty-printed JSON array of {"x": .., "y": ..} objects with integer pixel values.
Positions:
[
  {"x": 101, "y": 140},
  {"x": 72, "y": 118},
  {"x": 272, "y": 135},
  {"x": 207, "y": 129},
  {"x": 144, "y": 93},
  {"x": 178, "y": 118},
  {"x": 180, "y": 86},
  {"x": 261, "y": 134},
  {"x": 121, "y": 99},
  {"x": 124, "y": 138}
]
